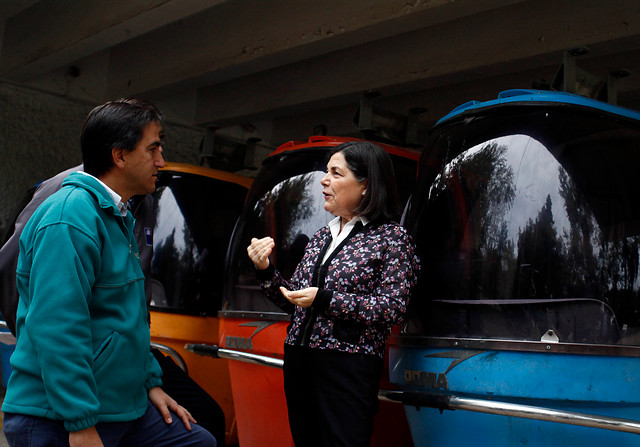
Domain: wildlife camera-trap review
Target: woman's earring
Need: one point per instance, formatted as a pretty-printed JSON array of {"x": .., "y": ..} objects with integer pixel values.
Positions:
[{"x": 363, "y": 193}]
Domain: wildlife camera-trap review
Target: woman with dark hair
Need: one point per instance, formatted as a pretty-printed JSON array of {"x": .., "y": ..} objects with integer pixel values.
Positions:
[{"x": 350, "y": 287}]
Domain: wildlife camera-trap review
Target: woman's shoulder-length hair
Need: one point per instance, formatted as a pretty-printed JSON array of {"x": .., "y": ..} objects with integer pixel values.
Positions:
[{"x": 369, "y": 162}]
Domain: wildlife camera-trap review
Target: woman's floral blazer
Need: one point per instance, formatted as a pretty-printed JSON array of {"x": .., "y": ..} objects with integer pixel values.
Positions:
[{"x": 364, "y": 287}]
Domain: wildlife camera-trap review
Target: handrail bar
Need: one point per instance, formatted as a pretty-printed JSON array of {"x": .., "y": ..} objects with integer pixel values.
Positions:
[
  {"x": 451, "y": 402},
  {"x": 443, "y": 401},
  {"x": 175, "y": 355},
  {"x": 231, "y": 354}
]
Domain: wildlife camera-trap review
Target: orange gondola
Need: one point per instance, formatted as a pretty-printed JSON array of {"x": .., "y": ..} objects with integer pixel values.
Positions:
[{"x": 284, "y": 202}]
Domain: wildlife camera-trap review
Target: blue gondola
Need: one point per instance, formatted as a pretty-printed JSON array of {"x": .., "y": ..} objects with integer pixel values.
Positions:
[{"x": 525, "y": 329}]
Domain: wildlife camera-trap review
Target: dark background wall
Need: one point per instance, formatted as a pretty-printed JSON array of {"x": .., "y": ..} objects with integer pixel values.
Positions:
[
  {"x": 39, "y": 136},
  {"x": 275, "y": 70}
]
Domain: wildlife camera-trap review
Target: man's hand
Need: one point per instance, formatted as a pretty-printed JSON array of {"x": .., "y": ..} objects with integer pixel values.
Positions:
[
  {"x": 85, "y": 438},
  {"x": 163, "y": 402}
]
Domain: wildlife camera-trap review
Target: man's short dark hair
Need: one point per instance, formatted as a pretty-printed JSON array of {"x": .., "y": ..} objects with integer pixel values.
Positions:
[
  {"x": 370, "y": 162},
  {"x": 116, "y": 124}
]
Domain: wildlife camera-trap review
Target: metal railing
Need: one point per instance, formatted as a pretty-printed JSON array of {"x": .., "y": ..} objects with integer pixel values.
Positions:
[
  {"x": 442, "y": 401},
  {"x": 173, "y": 354},
  {"x": 223, "y": 353},
  {"x": 451, "y": 402}
]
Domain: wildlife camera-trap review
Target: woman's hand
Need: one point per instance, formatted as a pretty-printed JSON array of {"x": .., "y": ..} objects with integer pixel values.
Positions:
[
  {"x": 259, "y": 251},
  {"x": 163, "y": 402},
  {"x": 302, "y": 297}
]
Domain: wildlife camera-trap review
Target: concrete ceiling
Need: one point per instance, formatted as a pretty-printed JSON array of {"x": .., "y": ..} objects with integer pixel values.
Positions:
[{"x": 279, "y": 68}]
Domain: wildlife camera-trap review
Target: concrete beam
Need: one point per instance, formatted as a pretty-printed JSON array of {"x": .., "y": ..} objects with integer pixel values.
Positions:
[
  {"x": 515, "y": 38},
  {"x": 52, "y": 33},
  {"x": 243, "y": 37},
  {"x": 10, "y": 8}
]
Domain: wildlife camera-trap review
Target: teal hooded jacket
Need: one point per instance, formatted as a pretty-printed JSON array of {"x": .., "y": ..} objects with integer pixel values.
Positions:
[{"x": 82, "y": 354}]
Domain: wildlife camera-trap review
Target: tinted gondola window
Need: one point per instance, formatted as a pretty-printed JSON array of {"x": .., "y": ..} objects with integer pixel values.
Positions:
[
  {"x": 195, "y": 217},
  {"x": 286, "y": 203},
  {"x": 529, "y": 221}
]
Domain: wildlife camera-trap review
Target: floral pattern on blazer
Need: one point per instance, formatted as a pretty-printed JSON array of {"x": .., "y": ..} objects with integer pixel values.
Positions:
[{"x": 367, "y": 285}]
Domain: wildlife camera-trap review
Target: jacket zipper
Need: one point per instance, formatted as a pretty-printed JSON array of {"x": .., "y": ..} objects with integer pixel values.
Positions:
[{"x": 319, "y": 275}]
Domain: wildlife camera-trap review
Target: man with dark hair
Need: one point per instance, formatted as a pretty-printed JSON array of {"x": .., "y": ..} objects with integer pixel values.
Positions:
[{"x": 82, "y": 369}]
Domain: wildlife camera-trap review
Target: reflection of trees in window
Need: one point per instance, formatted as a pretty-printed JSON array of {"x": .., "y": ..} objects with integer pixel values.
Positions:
[
  {"x": 494, "y": 202},
  {"x": 619, "y": 264},
  {"x": 183, "y": 263},
  {"x": 481, "y": 184},
  {"x": 485, "y": 180},
  {"x": 618, "y": 277},
  {"x": 581, "y": 279},
  {"x": 286, "y": 204},
  {"x": 541, "y": 262},
  {"x": 174, "y": 267},
  {"x": 283, "y": 210},
  {"x": 603, "y": 266}
]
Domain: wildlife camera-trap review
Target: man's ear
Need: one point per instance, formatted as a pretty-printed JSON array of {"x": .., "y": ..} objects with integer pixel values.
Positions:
[{"x": 117, "y": 155}]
